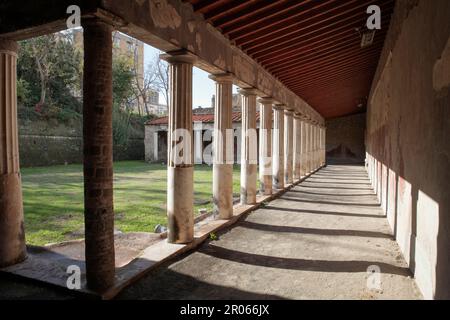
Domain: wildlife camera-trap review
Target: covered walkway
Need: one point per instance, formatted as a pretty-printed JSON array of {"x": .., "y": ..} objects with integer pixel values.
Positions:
[
  {"x": 315, "y": 242},
  {"x": 310, "y": 67}
]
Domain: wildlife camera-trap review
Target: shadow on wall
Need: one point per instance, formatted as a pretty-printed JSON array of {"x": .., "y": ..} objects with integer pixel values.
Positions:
[
  {"x": 414, "y": 220},
  {"x": 408, "y": 125}
]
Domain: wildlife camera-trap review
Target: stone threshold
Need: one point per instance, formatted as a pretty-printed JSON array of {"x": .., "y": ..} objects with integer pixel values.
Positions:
[{"x": 48, "y": 266}]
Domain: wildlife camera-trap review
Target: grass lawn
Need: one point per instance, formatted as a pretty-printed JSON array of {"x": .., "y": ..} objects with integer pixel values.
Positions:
[{"x": 53, "y": 198}]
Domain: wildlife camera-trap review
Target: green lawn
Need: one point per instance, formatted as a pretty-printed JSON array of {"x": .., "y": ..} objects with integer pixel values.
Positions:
[{"x": 53, "y": 198}]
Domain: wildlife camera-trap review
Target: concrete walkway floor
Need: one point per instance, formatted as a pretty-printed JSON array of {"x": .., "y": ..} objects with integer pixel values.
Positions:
[
  {"x": 321, "y": 240},
  {"x": 316, "y": 242}
]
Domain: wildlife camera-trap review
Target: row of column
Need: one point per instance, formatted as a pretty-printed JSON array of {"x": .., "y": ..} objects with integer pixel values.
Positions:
[{"x": 290, "y": 147}]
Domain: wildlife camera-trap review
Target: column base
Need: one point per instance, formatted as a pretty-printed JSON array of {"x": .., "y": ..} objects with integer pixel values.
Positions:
[
  {"x": 223, "y": 190},
  {"x": 266, "y": 186},
  {"x": 12, "y": 234}
]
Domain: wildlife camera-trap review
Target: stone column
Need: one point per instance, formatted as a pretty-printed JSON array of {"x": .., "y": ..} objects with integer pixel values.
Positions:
[
  {"x": 297, "y": 147},
  {"x": 155, "y": 146},
  {"x": 198, "y": 143},
  {"x": 265, "y": 146},
  {"x": 320, "y": 145},
  {"x": 223, "y": 143},
  {"x": 278, "y": 147},
  {"x": 98, "y": 155},
  {"x": 288, "y": 146},
  {"x": 307, "y": 146},
  {"x": 310, "y": 147},
  {"x": 324, "y": 151},
  {"x": 303, "y": 166},
  {"x": 249, "y": 147},
  {"x": 180, "y": 169},
  {"x": 12, "y": 234},
  {"x": 314, "y": 146}
]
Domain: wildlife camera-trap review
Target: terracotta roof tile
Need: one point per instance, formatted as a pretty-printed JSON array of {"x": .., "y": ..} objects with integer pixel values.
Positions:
[{"x": 205, "y": 118}]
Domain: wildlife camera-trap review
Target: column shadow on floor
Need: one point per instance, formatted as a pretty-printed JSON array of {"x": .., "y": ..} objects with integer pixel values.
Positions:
[
  {"x": 331, "y": 203},
  {"x": 299, "y": 264},
  {"x": 333, "y": 194},
  {"x": 324, "y": 232},
  {"x": 334, "y": 188},
  {"x": 336, "y": 213}
]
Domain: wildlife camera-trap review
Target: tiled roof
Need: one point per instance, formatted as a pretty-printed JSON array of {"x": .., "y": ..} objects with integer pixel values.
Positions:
[{"x": 205, "y": 118}]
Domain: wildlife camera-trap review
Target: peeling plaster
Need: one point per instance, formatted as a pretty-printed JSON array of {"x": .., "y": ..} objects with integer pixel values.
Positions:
[
  {"x": 164, "y": 15},
  {"x": 441, "y": 70}
]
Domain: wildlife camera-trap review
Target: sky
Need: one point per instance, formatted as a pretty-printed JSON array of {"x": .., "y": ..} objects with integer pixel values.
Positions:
[{"x": 203, "y": 87}]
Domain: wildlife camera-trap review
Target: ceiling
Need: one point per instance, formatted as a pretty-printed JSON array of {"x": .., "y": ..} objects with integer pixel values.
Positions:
[{"x": 312, "y": 46}]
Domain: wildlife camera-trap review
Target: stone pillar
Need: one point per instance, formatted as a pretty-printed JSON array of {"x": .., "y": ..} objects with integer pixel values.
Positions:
[
  {"x": 12, "y": 234},
  {"x": 288, "y": 146},
  {"x": 303, "y": 166},
  {"x": 155, "y": 146},
  {"x": 297, "y": 147},
  {"x": 198, "y": 143},
  {"x": 265, "y": 146},
  {"x": 310, "y": 147},
  {"x": 307, "y": 147},
  {"x": 324, "y": 151},
  {"x": 320, "y": 145},
  {"x": 278, "y": 147},
  {"x": 98, "y": 155},
  {"x": 314, "y": 146},
  {"x": 249, "y": 147},
  {"x": 223, "y": 143},
  {"x": 180, "y": 169}
]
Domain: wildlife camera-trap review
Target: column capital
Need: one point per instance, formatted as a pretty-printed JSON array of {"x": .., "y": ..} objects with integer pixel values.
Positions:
[
  {"x": 279, "y": 107},
  {"x": 222, "y": 77},
  {"x": 289, "y": 112},
  {"x": 198, "y": 125},
  {"x": 179, "y": 56},
  {"x": 297, "y": 115},
  {"x": 266, "y": 101},
  {"x": 94, "y": 21},
  {"x": 248, "y": 92},
  {"x": 8, "y": 46}
]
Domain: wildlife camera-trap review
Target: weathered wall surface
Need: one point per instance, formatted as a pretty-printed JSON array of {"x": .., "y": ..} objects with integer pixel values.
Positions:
[
  {"x": 345, "y": 138},
  {"x": 408, "y": 127},
  {"x": 40, "y": 145}
]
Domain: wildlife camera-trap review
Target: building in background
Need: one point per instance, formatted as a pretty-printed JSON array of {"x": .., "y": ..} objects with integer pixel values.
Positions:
[
  {"x": 203, "y": 120},
  {"x": 134, "y": 49}
]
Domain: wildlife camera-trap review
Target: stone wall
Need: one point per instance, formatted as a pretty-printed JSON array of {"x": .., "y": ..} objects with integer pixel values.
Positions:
[
  {"x": 44, "y": 144},
  {"x": 408, "y": 127},
  {"x": 345, "y": 139}
]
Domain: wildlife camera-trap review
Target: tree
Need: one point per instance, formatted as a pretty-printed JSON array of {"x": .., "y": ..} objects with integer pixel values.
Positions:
[
  {"x": 154, "y": 78},
  {"x": 161, "y": 72},
  {"x": 144, "y": 83},
  {"x": 50, "y": 66},
  {"x": 122, "y": 94}
]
